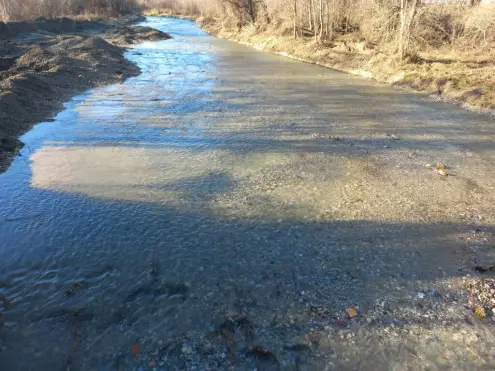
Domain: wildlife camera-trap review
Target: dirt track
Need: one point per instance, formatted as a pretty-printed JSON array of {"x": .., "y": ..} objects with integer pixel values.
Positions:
[{"x": 44, "y": 63}]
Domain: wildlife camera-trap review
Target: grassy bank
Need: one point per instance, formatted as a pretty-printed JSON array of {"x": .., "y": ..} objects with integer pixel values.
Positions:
[{"x": 450, "y": 75}]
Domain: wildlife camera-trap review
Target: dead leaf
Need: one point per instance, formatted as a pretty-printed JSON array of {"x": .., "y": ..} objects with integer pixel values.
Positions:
[
  {"x": 352, "y": 312},
  {"x": 480, "y": 311},
  {"x": 135, "y": 349},
  {"x": 439, "y": 165}
]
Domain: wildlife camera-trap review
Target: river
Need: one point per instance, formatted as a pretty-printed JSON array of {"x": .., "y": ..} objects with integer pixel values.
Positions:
[{"x": 229, "y": 199}]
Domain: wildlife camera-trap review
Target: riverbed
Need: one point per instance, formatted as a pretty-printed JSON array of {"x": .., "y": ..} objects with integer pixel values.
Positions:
[{"x": 233, "y": 209}]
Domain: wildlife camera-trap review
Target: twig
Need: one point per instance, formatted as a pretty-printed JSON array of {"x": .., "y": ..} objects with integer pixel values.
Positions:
[
  {"x": 154, "y": 266},
  {"x": 7, "y": 219},
  {"x": 76, "y": 334}
]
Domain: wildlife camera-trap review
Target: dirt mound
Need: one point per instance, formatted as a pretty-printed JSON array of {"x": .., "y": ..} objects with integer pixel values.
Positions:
[
  {"x": 35, "y": 58},
  {"x": 85, "y": 44},
  {"x": 97, "y": 43},
  {"x": 137, "y": 34},
  {"x": 58, "y": 26}
]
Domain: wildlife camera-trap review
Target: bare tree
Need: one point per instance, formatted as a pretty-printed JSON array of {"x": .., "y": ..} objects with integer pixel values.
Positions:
[
  {"x": 245, "y": 7},
  {"x": 295, "y": 19},
  {"x": 408, "y": 9}
]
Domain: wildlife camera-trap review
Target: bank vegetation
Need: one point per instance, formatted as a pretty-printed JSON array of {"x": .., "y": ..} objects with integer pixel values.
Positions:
[
  {"x": 442, "y": 47},
  {"x": 28, "y": 10},
  {"x": 445, "y": 48}
]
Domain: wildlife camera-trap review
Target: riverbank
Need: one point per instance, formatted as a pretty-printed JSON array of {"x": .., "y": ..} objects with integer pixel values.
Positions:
[
  {"x": 460, "y": 78},
  {"x": 44, "y": 63}
]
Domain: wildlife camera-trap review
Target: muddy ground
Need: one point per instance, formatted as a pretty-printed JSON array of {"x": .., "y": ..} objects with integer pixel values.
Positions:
[{"x": 44, "y": 63}]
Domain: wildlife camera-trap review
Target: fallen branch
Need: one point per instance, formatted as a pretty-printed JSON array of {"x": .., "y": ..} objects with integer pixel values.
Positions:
[{"x": 75, "y": 339}]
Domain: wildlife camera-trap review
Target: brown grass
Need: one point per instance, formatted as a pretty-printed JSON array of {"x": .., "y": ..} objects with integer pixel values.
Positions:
[{"x": 26, "y": 10}]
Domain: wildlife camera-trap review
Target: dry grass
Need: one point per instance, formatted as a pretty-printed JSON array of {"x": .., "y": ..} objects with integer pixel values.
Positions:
[
  {"x": 192, "y": 8},
  {"x": 25, "y": 10}
]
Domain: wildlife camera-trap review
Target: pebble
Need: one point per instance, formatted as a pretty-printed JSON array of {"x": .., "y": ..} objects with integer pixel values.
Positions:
[
  {"x": 207, "y": 347},
  {"x": 432, "y": 293},
  {"x": 186, "y": 349}
]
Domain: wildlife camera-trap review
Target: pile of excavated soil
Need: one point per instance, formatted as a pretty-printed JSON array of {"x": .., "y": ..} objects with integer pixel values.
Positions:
[
  {"x": 50, "y": 61},
  {"x": 61, "y": 25},
  {"x": 136, "y": 34}
]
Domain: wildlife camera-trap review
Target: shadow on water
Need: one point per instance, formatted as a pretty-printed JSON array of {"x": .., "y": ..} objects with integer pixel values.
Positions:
[{"x": 210, "y": 267}]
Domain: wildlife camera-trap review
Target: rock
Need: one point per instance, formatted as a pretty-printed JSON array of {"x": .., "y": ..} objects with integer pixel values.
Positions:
[
  {"x": 442, "y": 172},
  {"x": 186, "y": 349},
  {"x": 433, "y": 293}
]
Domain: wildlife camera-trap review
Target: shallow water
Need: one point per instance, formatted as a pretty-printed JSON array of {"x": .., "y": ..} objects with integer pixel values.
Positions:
[{"x": 224, "y": 182}]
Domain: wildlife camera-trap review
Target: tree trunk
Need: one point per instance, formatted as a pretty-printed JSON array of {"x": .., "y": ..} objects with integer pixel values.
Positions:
[
  {"x": 310, "y": 15},
  {"x": 408, "y": 9},
  {"x": 321, "y": 20},
  {"x": 315, "y": 23},
  {"x": 295, "y": 19},
  {"x": 327, "y": 26}
]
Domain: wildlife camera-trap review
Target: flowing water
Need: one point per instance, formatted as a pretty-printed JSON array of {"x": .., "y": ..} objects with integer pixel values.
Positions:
[{"x": 224, "y": 208}]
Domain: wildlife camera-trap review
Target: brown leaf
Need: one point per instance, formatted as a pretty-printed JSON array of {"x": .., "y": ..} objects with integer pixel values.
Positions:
[
  {"x": 439, "y": 165},
  {"x": 480, "y": 311},
  {"x": 352, "y": 312},
  {"x": 135, "y": 349}
]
